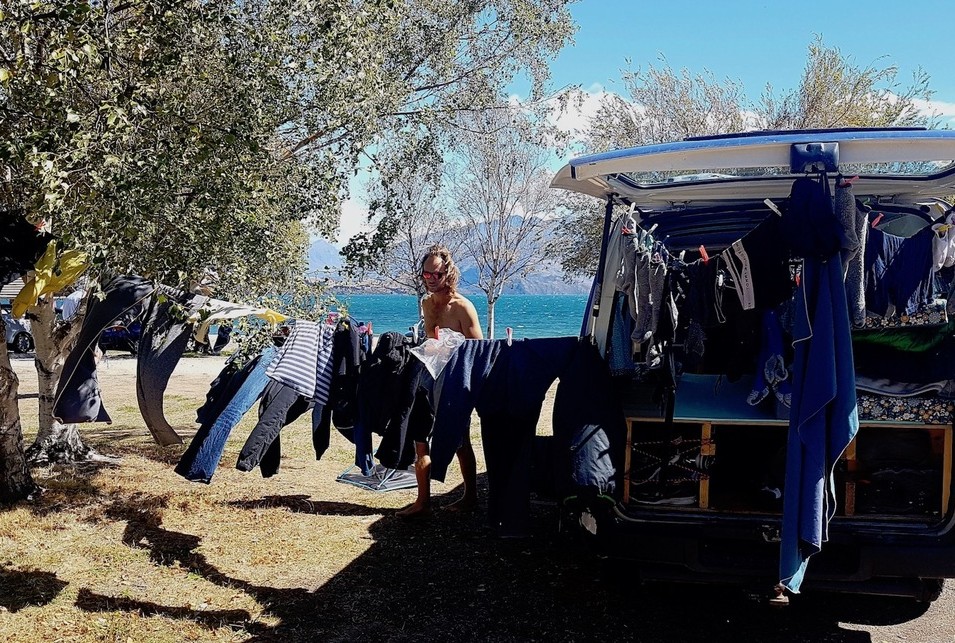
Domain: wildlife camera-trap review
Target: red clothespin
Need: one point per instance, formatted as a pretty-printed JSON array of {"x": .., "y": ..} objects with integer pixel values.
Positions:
[
  {"x": 848, "y": 181},
  {"x": 703, "y": 253},
  {"x": 510, "y": 335},
  {"x": 436, "y": 329},
  {"x": 877, "y": 218}
]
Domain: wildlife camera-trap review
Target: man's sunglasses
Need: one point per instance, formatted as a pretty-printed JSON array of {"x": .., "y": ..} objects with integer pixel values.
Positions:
[{"x": 432, "y": 275}]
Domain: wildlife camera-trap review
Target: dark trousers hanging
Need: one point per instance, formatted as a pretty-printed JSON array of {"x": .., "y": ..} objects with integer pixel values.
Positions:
[
  {"x": 509, "y": 407},
  {"x": 508, "y": 453},
  {"x": 281, "y": 405}
]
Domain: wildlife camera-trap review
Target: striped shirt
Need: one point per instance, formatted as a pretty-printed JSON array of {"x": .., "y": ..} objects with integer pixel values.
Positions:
[{"x": 305, "y": 362}]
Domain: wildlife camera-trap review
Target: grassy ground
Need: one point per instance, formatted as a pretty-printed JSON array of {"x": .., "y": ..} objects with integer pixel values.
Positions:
[{"x": 131, "y": 552}]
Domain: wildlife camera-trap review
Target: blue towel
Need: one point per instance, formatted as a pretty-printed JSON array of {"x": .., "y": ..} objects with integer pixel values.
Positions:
[
  {"x": 456, "y": 391},
  {"x": 823, "y": 418}
]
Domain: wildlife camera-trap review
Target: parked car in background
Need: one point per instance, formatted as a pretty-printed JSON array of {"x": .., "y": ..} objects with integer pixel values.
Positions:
[
  {"x": 122, "y": 337},
  {"x": 18, "y": 334}
]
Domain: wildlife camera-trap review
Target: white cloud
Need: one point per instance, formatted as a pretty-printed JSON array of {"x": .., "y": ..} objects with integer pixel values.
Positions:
[
  {"x": 574, "y": 115},
  {"x": 936, "y": 108},
  {"x": 354, "y": 220}
]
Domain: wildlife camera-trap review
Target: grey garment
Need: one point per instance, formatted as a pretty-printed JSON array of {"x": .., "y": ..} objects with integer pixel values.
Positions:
[
  {"x": 856, "y": 225},
  {"x": 884, "y": 386},
  {"x": 844, "y": 204},
  {"x": 642, "y": 310},
  {"x": 658, "y": 276},
  {"x": 78, "y": 398},
  {"x": 164, "y": 340},
  {"x": 625, "y": 277}
]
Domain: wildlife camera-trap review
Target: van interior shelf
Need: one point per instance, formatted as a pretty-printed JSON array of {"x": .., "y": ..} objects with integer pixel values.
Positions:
[{"x": 717, "y": 400}]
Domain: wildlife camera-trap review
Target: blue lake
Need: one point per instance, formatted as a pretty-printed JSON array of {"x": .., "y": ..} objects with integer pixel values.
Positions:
[{"x": 529, "y": 315}]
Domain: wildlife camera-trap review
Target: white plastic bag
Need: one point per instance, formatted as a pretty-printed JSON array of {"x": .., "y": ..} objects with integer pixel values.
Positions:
[{"x": 435, "y": 353}]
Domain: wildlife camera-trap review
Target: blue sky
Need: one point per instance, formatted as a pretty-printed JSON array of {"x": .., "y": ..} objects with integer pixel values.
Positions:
[
  {"x": 753, "y": 42},
  {"x": 757, "y": 42}
]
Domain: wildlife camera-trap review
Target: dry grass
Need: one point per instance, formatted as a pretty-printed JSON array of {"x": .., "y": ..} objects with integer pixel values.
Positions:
[{"x": 131, "y": 552}]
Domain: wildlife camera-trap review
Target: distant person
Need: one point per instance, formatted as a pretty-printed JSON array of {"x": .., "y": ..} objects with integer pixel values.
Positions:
[
  {"x": 222, "y": 338},
  {"x": 71, "y": 304},
  {"x": 443, "y": 307}
]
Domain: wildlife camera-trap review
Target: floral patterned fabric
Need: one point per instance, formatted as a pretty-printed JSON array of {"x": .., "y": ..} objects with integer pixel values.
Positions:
[
  {"x": 930, "y": 315},
  {"x": 928, "y": 410}
]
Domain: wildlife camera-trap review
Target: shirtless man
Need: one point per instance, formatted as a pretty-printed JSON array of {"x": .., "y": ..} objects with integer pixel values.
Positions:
[{"x": 443, "y": 307}]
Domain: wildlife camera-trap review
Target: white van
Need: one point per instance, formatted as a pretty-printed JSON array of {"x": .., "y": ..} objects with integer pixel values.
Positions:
[{"x": 777, "y": 310}]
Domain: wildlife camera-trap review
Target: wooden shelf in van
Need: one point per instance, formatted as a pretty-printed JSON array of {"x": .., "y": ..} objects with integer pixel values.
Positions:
[{"x": 707, "y": 401}]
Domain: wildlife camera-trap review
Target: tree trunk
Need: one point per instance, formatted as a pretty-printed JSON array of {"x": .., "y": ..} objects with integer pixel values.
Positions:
[
  {"x": 490, "y": 317},
  {"x": 15, "y": 481},
  {"x": 55, "y": 442}
]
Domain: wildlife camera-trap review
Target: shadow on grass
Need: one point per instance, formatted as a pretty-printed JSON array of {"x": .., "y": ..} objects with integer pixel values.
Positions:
[
  {"x": 304, "y": 504},
  {"x": 449, "y": 578},
  {"x": 28, "y": 588},
  {"x": 89, "y": 601},
  {"x": 121, "y": 441}
]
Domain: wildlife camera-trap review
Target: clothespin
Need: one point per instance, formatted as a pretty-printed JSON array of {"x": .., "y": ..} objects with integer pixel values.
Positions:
[
  {"x": 877, "y": 218},
  {"x": 703, "y": 253},
  {"x": 437, "y": 332},
  {"x": 652, "y": 228},
  {"x": 772, "y": 206},
  {"x": 510, "y": 335},
  {"x": 625, "y": 229},
  {"x": 848, "y": 181}
]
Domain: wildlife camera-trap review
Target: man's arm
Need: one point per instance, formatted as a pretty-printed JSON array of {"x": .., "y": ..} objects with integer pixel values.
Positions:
[
  {"x": 470, "y": 325},
  {"x": 427, "y": 313}
]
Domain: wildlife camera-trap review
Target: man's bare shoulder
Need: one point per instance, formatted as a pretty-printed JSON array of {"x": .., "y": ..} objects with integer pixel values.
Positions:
[{"x": 461, "y": 304}]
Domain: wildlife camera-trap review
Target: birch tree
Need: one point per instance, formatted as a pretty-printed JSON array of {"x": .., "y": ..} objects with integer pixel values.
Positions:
[
  {"x": 407, "y": 214},
  {"x": 499, "y": 188}
]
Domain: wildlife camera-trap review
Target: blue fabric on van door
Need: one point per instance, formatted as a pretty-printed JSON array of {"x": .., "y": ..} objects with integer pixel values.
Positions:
[{"x": 823, "y": 418}]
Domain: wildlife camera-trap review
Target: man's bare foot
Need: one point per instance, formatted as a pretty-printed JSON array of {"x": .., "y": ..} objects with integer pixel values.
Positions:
[
  {"x": 464, "y": 504},
  {"x": 415, "y": 510}
]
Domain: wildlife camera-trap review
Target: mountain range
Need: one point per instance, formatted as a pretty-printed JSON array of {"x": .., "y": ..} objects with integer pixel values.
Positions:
[{"x": 547, "y": 278}]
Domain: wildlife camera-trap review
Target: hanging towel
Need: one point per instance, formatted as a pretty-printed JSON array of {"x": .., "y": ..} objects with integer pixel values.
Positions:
[{"x": 823, "y": 417}]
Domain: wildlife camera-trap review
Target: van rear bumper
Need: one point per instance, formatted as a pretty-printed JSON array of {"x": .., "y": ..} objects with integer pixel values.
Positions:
[{"x": 720, "y": 550}]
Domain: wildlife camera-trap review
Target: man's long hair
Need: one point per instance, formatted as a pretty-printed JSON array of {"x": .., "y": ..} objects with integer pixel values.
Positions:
[{"x": 441, "y": 252}]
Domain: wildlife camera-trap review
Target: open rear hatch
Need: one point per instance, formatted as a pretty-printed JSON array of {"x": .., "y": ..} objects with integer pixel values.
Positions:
[{"x": 699, "y": 444}]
